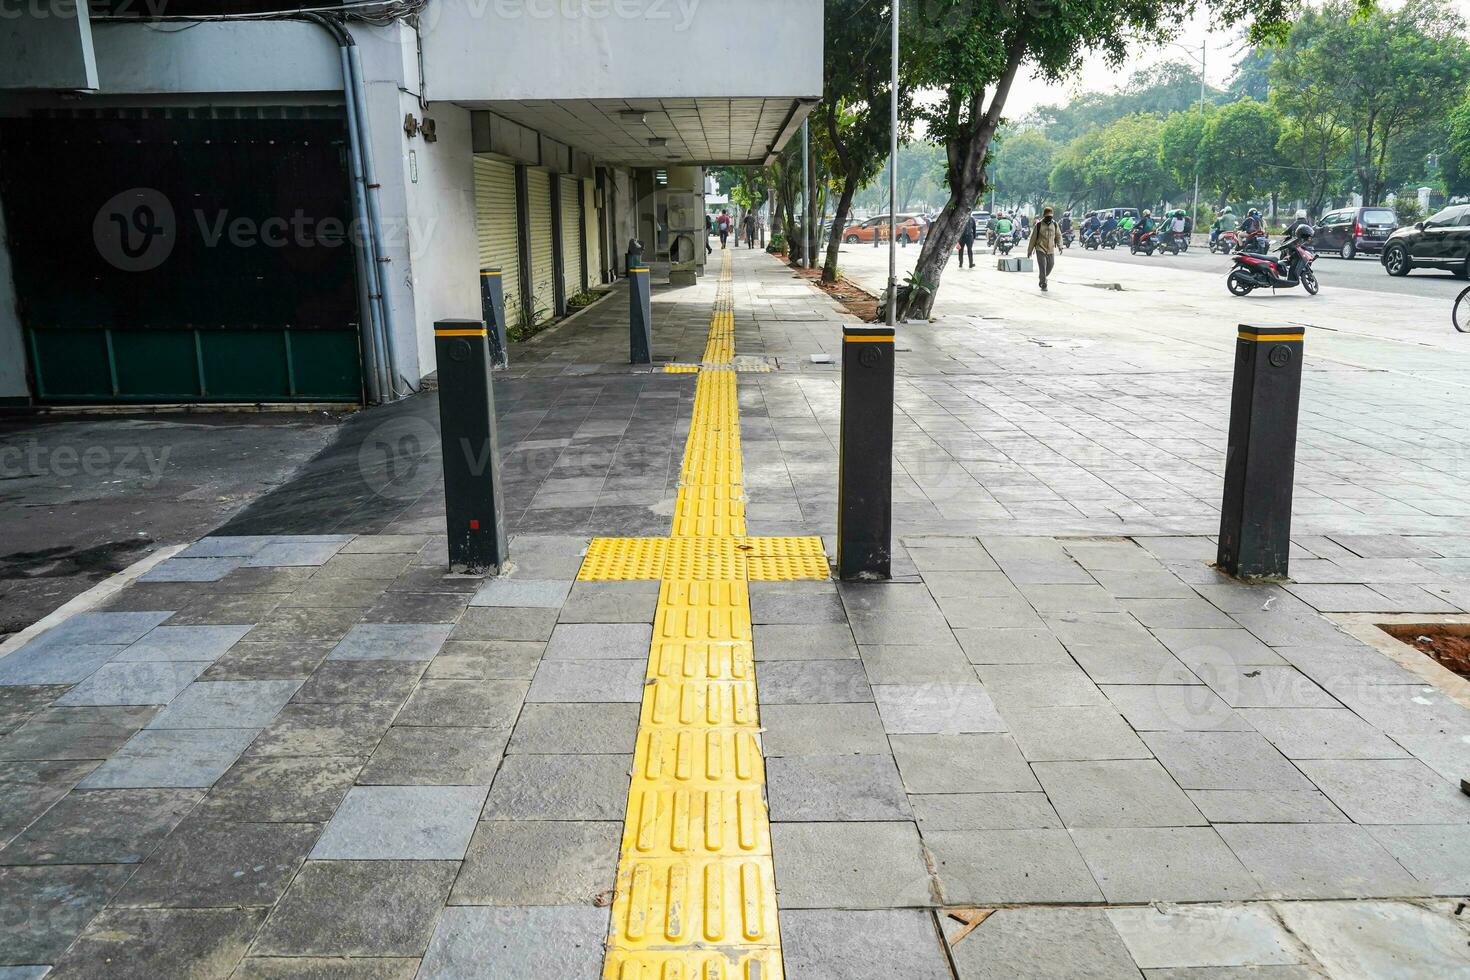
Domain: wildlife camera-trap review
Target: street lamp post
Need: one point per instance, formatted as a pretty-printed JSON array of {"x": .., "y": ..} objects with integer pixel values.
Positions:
[
  {"x": 1194, "y": 210},
  {"x": 892, "y": 317}
]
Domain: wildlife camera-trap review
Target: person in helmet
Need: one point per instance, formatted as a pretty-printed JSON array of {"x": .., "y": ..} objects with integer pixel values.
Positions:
[
  {"x": 1300, "y": 234},
  {"x": 1144, "y": 226},
  {"x": 1253, "y": 232},
  {"x": 1225, "y": 220}
]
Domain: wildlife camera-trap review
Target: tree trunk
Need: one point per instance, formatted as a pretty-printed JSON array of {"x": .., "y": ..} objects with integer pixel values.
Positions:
[{"x": 839, "y": 222}]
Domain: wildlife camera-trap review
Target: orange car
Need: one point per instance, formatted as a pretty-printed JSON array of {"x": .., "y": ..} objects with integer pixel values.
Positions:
[{"x": 910, "y": 228}]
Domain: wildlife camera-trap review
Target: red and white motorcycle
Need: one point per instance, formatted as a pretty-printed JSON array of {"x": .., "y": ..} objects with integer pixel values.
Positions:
[{"x": 1292, "y": 265}]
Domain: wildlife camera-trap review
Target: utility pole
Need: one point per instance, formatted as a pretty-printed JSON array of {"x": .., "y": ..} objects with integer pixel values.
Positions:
[
  {"x": 806, "y": 197},
  {"x": 1194, "y": 210},
  {"x": 893, "y": 172}
]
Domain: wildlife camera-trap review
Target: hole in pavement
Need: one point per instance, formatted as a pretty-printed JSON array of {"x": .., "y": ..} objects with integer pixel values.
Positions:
[
  {"x": 1446, "y": 643},
  {"x": 1116, "y": 287}
]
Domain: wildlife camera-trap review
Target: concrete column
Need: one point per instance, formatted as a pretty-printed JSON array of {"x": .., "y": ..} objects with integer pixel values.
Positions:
[{"x": 14, "y": 388}]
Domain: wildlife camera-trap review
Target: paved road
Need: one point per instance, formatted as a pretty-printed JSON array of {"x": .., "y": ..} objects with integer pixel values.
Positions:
[{"x": 1362, "y": 273}]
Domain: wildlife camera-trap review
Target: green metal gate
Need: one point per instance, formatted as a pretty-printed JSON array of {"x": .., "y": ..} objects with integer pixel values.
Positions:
[{"x": 168, "y": 260}]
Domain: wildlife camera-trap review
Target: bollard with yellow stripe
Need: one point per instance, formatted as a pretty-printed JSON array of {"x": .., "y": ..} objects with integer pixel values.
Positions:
[
  {"x": 492, "y": 310},
  {"x": 474, "y": 513},
  {"x": 1260, "y": 457},
  {"x": 865, "y": 455},
  {"x": 640, "y": 307}
]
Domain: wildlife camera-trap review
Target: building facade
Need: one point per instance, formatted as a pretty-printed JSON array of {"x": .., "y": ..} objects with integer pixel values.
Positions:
[{"x": 232, "y": 202}]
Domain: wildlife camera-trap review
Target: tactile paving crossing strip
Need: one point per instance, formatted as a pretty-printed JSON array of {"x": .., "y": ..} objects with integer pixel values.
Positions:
[{"x": 696, "y": 887}]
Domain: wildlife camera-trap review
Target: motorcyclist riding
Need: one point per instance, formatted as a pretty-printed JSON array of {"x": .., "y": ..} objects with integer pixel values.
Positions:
[
  {"x": 1144, "y": 226},
  {"x": 1001, "y": 228},
  {"x": 1253, "y": 232},
  {"x": 1224, "y": 221}
]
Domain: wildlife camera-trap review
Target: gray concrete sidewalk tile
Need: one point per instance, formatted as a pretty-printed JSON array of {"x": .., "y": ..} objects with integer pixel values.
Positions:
[
  {"x": 1131, "y": 665},
  {"x": 293, "y": 789},
  {"x": 533, "y": 593},
  {"x": 936, "y": 709},
  {"x": 210, "y": 864},
  {"x": 435, "y": 757},
  {"x": 226, "y": 704},
  {"x": 19, "y": 703},
  {"x": 284, "y": 552},
  {"x": 184, "y": 643},
  {"x": 811, "y": 641},
  {"x": 575, "y": 729},
  {"x": 1205, "y": 936},
  {"x": 511, "y": 944},
  {"x": 23, "y": 972},
  {"x": 225, "y": 609},
  {"x": 588, "y": 681},
  {"x": 271, "y": 660},
  {"x": 402, "y": 823},
  {"x": 135, "y": 683},
  {"x": 1317, "y": 861},
  {"x": 835, "y": 787},
  {"x": 1228, "y": 647},
  {"x": 1286, "y": 626},
  {"x": 1010, "y": 867},
  {"x": 1389, "y": 791},
  {"x": 612, "y": 602},
  {"x": 840, "y": 944},
  {"x": 416, "y": 607},
  {"x": 1070, "y": 598},
  {"x": 324, "y": 730},
  {"x": 226, "y": 546},
  {"x": 1142, "y": 583},
  {"x": 1079, "y": 943},
  {"x": 901, "y": 626},
  {"x": 1174, "y": 708},
  {"x": 191, "y": 569},
  {"x": 768, "y": 607},
  {"x": 560, "y": 787},
  {"x": 392, "y": 641},
  {"x": 988, "y": 763},
  {"x": 1407, "y": 709},
  {"x": 553, "y": 862},
  {"x": 387, "y": 544},
  {"x": 1437, "y": 855},
  {"x": 812, "y": 682},
  {"x": 1039, "y": 685},
  {"x": 1163, "y": 864},
  {"x": 358, "y": 908},
  {"x": 1266, "y": 806},
  {"x": 984, "y": 811},
  {"x": 1341, "y": 667},
  {"x": 335, "y": 593},
  {"x": 464, "y": 704},
  {"x": 974, "y": 584},
  {"x": 145, "y": 944},
  {"x": 486, "y": 660},
  {"x": 505, "y": 623},
  {"x": 74, "y": 733},
  {"x": 890, "y": 664},
  {"x": 297, "y": 625},
  {"x": 178, "y": 758},
  {"x": 1072, "y": 734},
  {"x": 1321, "y": 733},
  {"x": 360, "y": 682},
  {"x": 1128, "y": 793},
  {"x": 114, "y": 826},
  {"x": 1379, "y": 939},
  {"x": 102, "y": 628},
  {"x": 45, "y": 908},
  {"x": 850, "y": 865},
  {"x": 326, "y": 968},
  {"x": 28, "y": 789},
  {"x": 972, "y": 612},
  {"x": 951, "y": 559},
  {"x": 599, "y": 641},
  {"x": 1193, "y": 613},
  {"x": 1012, "y": 646},
  {"x": 37, "y": 664},
  {"x": 1225, "y": 761},
  {"x": 262, "y": 580}
]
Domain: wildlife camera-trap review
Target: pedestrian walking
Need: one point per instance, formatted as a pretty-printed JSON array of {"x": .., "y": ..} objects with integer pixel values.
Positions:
[
  {"x": 709, "y": 226},
  {"x": 967, "y": 241},
  {"x": 723, "y": 223},
  {"x": 1044, "y": 243},
  {"x": 750, "y": 228}
]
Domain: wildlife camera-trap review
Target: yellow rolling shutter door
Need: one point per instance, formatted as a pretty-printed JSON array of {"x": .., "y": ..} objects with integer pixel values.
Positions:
[
  {"x": 543, "y": 266},
  {"x": 594, "y": 234},
  {"x": 571, "y": 235},
  {"x": 496, "y": 228}
]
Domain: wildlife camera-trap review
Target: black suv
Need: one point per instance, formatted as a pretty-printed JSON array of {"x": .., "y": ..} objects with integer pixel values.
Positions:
[
  {"x": 1349, "y": 231},
  {"x": 1441, "y": 242}
]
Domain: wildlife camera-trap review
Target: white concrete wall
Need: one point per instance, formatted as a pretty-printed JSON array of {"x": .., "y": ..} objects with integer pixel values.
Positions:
[
  {"x": 483, "y": 50},
  {"x": 246, "y": 56}
]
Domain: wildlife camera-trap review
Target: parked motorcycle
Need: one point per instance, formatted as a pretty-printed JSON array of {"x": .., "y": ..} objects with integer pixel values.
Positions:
[{"x": 1291, "y": 265}]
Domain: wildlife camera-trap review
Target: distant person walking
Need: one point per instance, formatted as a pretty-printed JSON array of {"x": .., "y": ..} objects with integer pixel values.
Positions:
[
  {"x": 967, "y": 242},
  {"x": 1044, "y": 243},
  {"x": 709, "y": 226},
  {"x": 750, "y": 229},
  {"x": 723, "y": 222}
]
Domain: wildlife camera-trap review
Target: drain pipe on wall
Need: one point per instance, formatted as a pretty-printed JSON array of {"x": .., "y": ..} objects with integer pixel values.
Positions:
[{"x": 383, "y": 371}]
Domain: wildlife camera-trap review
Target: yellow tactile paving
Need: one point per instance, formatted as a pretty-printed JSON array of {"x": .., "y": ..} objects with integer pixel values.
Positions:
[{"x": 696, "y": 888}]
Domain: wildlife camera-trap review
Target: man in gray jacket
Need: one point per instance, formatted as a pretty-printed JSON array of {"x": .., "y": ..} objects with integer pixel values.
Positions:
[{"x": 1044, "y": 243}]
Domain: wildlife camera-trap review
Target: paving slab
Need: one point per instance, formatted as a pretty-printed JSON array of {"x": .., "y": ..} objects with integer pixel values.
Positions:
[
  {"x": 807, "y": 641},
  {"x": 416, "y": 607},
  {"x": 177, "y": 758},
  {"x": 560, "y": 787},
  {"x": 1039, "y": 685},
  {"x": 28, "y": 789},
  {"x": 134, "y": 683},
  {"x": 187, "y": 643},
  {"x": 510, "y": 944},
  {"x": 1174, "y": 708},
  {"x": 1380, "y": 939},
  {"x": 612, "y": 602},
  {"x": 812, "y": 682},
  {"x": 46, "y": 908},
  {"x": 850, "y": 865},
  {"x": 326, "y": 968},
  {"x": 74, "y": 733},
  {"x": 1122, "y": 793},
  {"x": 936, "y": 709},
  {"x": 319, "y": 730},
  {"x": 360, "y": 682},
  {"x": 839, "y": 944},
  {"x": 207, "y": 863},
  {"x": 37, "y": 664},
  {"x": 463, "y": 704},
  {"x": 486, "y": 660},
  {"x": 435, "y": 757},
  {"x": 506, "y": 623},
  {"x": 1439, "y": 856},
  {"x": 575, "y": 729},
  {"x": 358, "y": 908},
  {"x": 1010, "y": 867},
  {"x": 144, "y": 944},
  {"x": 835, "y": 787},
  {"x": 1321, "y": 733},
  {"x": 524, "y": 863},
  {"x": 1078, "y": 943},
  {"x": 1266, "y": 806},
  {"x": 1205, "y": 936},
  {"x": 820, "y": 729},
  {"x": 291, "y": 789},
  {"x": 1389, "y": 791},
  {"x": 1317, "y": 861},
  {"x": 984, "y": 811},
  {"x": 525, "y": 593},
  {"x": 1224, "y": 760},
  {"x": 191, "y": 569},
  {"x": 402, "y": 823},
  {"x": 599, "y": 641},
  {"x": 981, "y": 763},
  {"x": 19, "y": 702},
  {"x": 103, "y": 826},
  {"x": 893, "y": 664},
  {"x": 1012, "y": 646},
  {"x": 392, "y": 641},
  {"x": 225, "y": 704},
  {"x": 1070, "y": 734},
  {"x": 1163, "y": 864},
  {"x": 588, "y": 681}
]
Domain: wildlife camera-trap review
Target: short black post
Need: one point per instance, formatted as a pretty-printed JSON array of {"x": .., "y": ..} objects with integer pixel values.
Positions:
[
  {"x": 473, "y": 502},
  {"x": 492, "y": 308},
  {"x": 865, "y": 463},
  {"x": 1260, "y": 459},
  {"x": 640, "y": 310}
]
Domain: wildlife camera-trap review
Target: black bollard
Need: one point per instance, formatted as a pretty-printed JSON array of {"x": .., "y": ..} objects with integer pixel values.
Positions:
[
  {"x": 492, "y": 308},
  {"x": 473, "y": 502},
  {"x": 865, "y": 463},
  {"x": 1260, "y": 459},
  {"x": 640, "y": 311}
]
